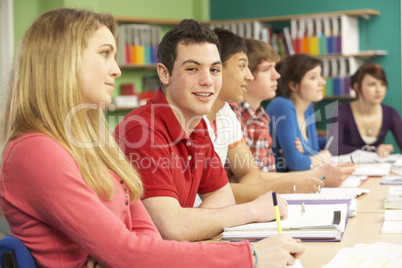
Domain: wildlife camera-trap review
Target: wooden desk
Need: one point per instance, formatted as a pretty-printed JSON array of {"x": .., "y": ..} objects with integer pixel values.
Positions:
[
  {"x": 374, "y": 201},
  {"x": 365, "y": 227}
]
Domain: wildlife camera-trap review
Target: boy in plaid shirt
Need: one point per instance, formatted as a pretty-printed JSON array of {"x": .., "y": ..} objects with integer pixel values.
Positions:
[
  {"x": 251, "y": 115},
  {"x": 255, "y": 121}
]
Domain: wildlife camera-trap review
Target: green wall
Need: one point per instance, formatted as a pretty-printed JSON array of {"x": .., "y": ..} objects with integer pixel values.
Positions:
[
  {"x": 25, "y": 11},
  {"x": 381, "y": 32}
]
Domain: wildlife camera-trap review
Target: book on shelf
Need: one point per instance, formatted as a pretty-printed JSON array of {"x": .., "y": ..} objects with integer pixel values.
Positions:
[
  {"x": 313, "y": 41},
  {"x": 288, "y": 40},
  {"x": 138, "y": 44},
  {"x": 337, "y": 71},
  {"x": 326, "y": 34},
  {"x": 322, "y": 42},
  {"x": 308, "y": 221},
  {"x": 304, "y": 42},
  {"x": 294, "y": 32}
]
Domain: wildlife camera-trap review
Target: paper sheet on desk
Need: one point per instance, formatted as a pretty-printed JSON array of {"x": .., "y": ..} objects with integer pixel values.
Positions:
[
  {"x": 374, "y": 169},
  {"x": 395, "y": 190},
  {"x": 360, "y": 156},
  {"x": 353, "y": 181},
  {"x": 379, "y": 255}
]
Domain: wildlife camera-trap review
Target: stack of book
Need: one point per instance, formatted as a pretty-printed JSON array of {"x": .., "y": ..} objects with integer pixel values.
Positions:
[{"x": 308, "y": 221}]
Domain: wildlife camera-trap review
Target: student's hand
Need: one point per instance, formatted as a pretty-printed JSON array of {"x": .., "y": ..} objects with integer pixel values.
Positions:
[
  {"x": 263, "y": 207},
  {"x": 278, "y": 251},
  {"x": 325, "y": 156},
  {"x": 383, "y": 150},
  {"x": 336, "y": 174},
  {"x": 299, "y": 145},
  {"x": 347, "y": 168},
  {"x": 305, "y": 183}
]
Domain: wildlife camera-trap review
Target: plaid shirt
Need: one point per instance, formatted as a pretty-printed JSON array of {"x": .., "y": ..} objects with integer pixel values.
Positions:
[{"x": 255, "y": 126}]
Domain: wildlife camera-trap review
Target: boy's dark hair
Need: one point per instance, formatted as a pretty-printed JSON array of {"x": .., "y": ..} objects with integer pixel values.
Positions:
[
  {"x": 230, "y": 43},
  {"x": 292, "y": 69},
  {"x": 186, "y": 32}
]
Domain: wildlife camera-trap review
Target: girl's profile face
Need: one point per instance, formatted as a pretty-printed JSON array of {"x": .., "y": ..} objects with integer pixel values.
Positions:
[
  {"x": 311, "y": 86},
  {"x": 99, "y": 68},
  {"x": 372, "y": 90}
]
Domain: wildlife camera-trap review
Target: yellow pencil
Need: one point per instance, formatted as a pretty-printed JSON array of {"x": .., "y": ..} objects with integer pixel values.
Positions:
[{"x": 277, "y": 215}]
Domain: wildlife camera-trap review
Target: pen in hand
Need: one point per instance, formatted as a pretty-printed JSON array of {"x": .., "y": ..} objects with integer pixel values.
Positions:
[{"x": 277, "y": 215}]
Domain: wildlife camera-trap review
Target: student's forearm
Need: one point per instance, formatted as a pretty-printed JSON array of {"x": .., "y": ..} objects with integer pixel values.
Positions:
[
  {"x": 194, "y": 224},
  {"x": 246, "y": 192},
  {"x": 278, "y": 182},
  {"x": 316, "y": 172}
]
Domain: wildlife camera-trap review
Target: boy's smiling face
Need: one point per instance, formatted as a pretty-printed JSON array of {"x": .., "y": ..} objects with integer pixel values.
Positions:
[
  {"x": 195, "y": 80},
  {"x": 235, "y": 76}
]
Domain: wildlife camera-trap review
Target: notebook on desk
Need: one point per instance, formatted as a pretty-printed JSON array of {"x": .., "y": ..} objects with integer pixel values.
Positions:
[
  {"x": 361, "y": 156},
  {"x": 308, "y": 221},
  {"x": 392, "y": 180},
  {"x": 329, "y": 195}
]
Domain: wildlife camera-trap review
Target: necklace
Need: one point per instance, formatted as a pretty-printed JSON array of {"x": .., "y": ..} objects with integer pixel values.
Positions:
[{"x": 370, "y": 132}]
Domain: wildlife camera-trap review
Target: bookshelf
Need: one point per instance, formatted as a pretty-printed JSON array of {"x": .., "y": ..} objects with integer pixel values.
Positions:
[
  {"x": 331, "y": 36},
  {"x": 139, "y": 61},
  {"x": 136, "y": 70}
]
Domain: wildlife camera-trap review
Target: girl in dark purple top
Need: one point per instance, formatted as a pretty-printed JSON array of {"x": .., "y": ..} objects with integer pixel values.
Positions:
[{"x": 364, "y": 123}]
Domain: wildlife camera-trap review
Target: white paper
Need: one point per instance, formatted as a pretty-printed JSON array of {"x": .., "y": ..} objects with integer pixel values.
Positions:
[{"x": 379, "y": 255}]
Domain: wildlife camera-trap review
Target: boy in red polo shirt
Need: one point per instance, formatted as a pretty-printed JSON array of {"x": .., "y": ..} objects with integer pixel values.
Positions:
[{"x": 167, "y": 141}]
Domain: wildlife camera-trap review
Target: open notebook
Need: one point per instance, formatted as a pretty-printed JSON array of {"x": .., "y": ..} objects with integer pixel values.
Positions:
[{"x": 306, "y": 221}]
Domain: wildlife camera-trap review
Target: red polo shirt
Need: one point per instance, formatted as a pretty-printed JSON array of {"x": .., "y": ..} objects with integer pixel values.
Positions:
[{"x": 170, "y": 162}]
